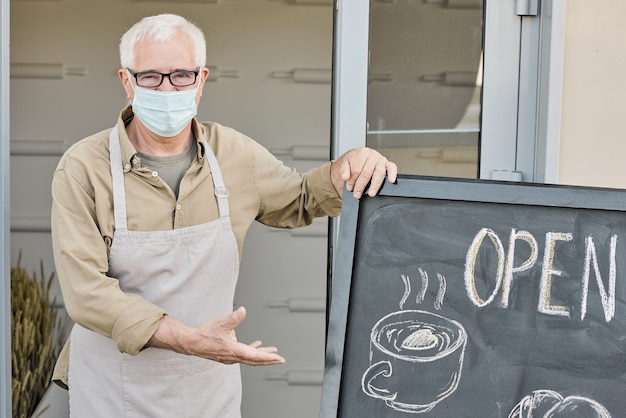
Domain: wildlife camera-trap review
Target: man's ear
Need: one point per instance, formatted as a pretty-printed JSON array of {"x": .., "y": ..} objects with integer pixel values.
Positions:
[
  {"x": 122, "y": 73},
  {"x": 203, "y": 75}
]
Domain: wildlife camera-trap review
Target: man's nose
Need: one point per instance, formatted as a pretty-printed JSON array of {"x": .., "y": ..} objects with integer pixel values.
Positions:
[{"x": 166, "y": 84}]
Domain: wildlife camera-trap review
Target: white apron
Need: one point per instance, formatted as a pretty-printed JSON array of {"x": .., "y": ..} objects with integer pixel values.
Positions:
[{"x": 190, "y": 272}]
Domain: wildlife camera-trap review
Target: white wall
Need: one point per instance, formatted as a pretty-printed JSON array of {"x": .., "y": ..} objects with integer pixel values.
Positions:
[{"x": 254, "y": 37}]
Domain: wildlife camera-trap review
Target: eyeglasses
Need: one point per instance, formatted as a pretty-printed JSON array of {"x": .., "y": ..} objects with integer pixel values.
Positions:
[{"x": 180, "y": 78}]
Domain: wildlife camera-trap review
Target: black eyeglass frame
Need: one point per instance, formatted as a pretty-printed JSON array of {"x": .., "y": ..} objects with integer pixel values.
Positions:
[{"x": 163, "y": 75}]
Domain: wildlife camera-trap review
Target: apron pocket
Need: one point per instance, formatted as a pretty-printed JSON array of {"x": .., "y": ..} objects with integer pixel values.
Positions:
[{"x": 182, "y": 386}]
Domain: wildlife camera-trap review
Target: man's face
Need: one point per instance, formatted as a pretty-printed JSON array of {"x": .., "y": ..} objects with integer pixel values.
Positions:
[{"x": 165, "y": 57}]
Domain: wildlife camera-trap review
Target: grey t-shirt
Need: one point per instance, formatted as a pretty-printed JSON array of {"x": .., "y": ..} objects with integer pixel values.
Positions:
[{"x": 171, "y": 169}]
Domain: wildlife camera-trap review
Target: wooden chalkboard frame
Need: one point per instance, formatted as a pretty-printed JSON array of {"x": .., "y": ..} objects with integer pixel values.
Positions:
[{"x": 432, "y": 188}]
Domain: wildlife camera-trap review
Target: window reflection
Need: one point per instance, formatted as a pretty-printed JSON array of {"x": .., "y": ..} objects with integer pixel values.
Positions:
[{"x": 425, "y": 82}]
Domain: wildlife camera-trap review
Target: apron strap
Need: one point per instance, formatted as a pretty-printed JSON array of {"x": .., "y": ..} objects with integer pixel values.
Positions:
[
  {"x": 117, "y": 173},
  {"x": 221, "y": 192}
]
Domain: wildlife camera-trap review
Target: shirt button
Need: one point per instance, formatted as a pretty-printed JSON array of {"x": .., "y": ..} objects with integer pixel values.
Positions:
[
  {"x": 178, "y": 207},
  {"x": 127, "y": 166},
  {"x": 155, "y": 174}
]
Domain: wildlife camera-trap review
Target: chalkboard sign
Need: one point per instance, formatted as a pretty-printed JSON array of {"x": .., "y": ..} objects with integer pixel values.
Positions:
[{"x": 476, "y": 299}]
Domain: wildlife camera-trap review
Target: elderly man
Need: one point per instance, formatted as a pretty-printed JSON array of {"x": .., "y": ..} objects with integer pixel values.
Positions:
[{"x": 148, "y": 223}]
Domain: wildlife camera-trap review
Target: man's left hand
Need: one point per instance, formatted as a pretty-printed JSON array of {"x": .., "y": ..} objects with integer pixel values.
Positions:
[{"x": 362, "y": 168}]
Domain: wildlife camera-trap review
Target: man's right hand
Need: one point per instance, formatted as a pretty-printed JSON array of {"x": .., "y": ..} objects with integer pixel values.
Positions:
[{"x": 214, "y": 340}]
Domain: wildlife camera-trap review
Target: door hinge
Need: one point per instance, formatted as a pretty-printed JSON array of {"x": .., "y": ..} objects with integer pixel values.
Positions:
[
  {"x": 506, "y": 175},
  {"x": 527, "y": 7}
]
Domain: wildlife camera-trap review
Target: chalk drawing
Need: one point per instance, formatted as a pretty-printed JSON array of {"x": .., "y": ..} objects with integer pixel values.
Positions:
[
  {"x": 416, "y": 360},
  {"x": 550, "y": 404}
]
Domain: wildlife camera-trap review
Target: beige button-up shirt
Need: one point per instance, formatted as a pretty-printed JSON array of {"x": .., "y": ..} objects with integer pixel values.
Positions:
[{"x": 260, "y": 188}]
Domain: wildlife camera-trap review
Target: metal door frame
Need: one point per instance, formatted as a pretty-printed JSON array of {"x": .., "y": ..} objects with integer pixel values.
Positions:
[
  {"x": 500, "y": 86},
  {"x": 5, "y": 245},
  {"x": 522, "y": 87}
]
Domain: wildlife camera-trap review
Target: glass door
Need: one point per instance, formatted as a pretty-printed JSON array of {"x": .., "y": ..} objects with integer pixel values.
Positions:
[
  {"x": 442, "y": 87},
  {"x": 424, "y": 85}
]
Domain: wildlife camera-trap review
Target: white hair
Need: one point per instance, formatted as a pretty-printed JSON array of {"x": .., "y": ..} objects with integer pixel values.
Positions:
[{"x": 161, "y": 28}]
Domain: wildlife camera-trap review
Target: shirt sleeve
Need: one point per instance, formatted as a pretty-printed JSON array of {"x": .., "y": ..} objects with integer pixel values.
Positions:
[
  {"x": 290, "y": 199},
  {"x": 92, "y": 299}
]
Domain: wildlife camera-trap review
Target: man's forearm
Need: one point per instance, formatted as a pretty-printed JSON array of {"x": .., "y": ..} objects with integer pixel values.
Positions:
[{"x": 173, "y": 335}]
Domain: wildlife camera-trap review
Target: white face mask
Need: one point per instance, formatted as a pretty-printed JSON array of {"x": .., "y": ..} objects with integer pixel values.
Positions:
[{"x": 166, "y": 113}]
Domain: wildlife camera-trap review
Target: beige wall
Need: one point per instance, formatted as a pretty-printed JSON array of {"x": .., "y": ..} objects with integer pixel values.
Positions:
[{"x": 593, "y": 147}]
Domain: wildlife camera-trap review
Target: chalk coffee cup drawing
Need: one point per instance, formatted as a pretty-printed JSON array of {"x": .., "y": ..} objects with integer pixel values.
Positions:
[{"x": 416, "y": 360}]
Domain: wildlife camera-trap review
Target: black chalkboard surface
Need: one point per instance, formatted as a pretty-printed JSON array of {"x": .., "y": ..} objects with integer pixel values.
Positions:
[{"x": 465, "y": 298}]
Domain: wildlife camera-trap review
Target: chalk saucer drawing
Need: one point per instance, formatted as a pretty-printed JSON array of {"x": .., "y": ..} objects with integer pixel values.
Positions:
[
  {"x": 551, "y": 404},
  {"x": 416, "y": 359}
]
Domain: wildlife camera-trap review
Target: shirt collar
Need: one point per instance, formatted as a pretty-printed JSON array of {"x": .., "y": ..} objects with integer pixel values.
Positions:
[{"x": 129, "y": 153}]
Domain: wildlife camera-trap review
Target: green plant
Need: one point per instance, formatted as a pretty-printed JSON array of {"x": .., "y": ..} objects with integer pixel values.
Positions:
[{"x": 36, "y": 338}]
